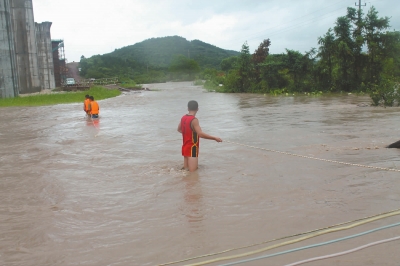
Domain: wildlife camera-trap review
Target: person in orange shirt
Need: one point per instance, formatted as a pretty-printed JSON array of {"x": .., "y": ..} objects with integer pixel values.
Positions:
[
  {"x": 86, "y": 105},
  {"x": 191, "y": 132},
  {"x": 94, "y": 108}
]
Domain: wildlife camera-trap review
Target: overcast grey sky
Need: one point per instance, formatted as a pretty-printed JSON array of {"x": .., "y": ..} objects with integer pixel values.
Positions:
[{"x": 91, "y": 27}]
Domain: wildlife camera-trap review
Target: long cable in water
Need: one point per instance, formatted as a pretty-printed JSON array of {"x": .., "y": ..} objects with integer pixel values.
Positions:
[
  {"x": 277, "y": 239},
  {"x": 315, "y": 158},
  {"x": 298, "y": 239},
  {"x": 344, "y": 252},
  {"x": 312, "y": 246}
]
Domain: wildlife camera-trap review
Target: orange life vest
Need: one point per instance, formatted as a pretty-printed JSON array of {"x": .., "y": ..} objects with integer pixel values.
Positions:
[
  {"x": 86, "y": 104},
  {"x": 94, "y": 108}
]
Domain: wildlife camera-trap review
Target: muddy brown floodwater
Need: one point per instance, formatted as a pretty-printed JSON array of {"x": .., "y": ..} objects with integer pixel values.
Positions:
[{"x": 75, "y": 193}]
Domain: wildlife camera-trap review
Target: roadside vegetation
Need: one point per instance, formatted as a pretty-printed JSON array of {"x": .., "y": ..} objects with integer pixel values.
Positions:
[{"x": 99, "y": 93}]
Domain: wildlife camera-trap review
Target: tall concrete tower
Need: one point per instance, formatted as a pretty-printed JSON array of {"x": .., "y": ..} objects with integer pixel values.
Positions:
[
  {"x": 8, "y": 71},
  {"x": 25, "y": 45},
  {"x": 45, "y": 55}
]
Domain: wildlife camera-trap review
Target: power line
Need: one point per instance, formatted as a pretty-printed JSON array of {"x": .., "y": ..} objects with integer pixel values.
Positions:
[
  {"x": 304, "y": 23},
  {"x": 291, "y": 26},
  {"x": 277, "y": 32},
  {"x": 290, "y": 22}
]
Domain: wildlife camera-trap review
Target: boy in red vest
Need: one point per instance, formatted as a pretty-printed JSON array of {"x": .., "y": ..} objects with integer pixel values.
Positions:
[{"x": 191, "y": 134}]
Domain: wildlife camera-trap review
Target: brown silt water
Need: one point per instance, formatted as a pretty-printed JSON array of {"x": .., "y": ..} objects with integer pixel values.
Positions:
[{"x": 74, "y": 192}]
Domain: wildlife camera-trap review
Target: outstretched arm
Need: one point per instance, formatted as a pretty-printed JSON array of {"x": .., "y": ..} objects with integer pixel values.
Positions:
[{"x": 197, "y": 129}]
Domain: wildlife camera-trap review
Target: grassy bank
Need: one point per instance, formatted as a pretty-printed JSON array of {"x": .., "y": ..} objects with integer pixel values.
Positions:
[{"x": 99, "y": 93}]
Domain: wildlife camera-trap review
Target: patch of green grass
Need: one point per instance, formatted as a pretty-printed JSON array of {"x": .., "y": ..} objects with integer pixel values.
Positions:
[
  {"x": 212, "y": 86},
  {"x": 130, "y": 85},
  {"x": 198, "y": 82},
  {"x": 99, "y": 93}
]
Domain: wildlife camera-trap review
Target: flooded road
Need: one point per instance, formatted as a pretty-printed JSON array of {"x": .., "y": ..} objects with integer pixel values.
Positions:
[{"x": 112, "y": 193}]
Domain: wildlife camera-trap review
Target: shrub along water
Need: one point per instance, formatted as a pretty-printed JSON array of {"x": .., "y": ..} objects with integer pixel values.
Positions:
[{"x": 99, "y": 93}]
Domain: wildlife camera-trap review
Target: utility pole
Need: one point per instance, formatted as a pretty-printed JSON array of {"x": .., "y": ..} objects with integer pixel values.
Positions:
[
  {"x": 359, "y": 9},
  {"x": 359, "y": 46}
]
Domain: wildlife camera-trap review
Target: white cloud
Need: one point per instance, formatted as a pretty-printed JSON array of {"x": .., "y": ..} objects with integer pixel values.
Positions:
[{"x": 92, "y": 27}]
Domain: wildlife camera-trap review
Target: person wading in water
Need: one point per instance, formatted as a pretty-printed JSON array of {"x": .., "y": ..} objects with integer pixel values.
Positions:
[
  {"x": 86, "y": 105},
  {"x": 191, "y": 134},
  {"x": 94, "y": 108}
]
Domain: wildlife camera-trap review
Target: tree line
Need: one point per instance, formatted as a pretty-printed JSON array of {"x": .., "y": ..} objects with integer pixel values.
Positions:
[
  {"x": 181, "y": 68},
  {"x": 358, "y": 54}
]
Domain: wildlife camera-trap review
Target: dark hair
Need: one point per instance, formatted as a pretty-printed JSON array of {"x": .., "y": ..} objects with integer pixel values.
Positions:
[
  {"x": 193, "y": 106},
  {"x": 87, "y": 96},
  {"x": 92, "y": 98}
]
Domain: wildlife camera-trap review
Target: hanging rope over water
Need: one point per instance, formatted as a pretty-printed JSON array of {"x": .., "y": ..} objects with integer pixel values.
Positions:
[
  {"x": 325, "y": 229},
  {"x": 315, "y": 158}
]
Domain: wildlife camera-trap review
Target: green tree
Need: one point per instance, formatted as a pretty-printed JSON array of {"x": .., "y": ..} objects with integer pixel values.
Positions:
[
  {"x": 326, "y": 53},
  {"x": 228, "y": 63},
  {"x": 345, "y": 56},
  {"x": 391, "y": 55},
  {"x": 274, "y": 74},
  {"x": 245, "y": 68},
  {"x": 295, "y": 64},
  {"x": 355, "y": 17},
  {"x": 232, "y": 81},
  {"x": 259, "y": 57},
  {"x": 184, "y": 67},
  {"x": 375, "y": 38}
]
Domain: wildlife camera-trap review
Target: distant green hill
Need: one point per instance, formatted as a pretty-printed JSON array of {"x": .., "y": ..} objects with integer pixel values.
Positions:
[
  {"x": 150, "y": 60},
  {"x": 159, "y": 52}
]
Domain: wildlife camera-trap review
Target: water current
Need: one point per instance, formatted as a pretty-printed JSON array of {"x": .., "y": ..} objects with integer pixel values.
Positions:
[{"x": 74, "y": 192}]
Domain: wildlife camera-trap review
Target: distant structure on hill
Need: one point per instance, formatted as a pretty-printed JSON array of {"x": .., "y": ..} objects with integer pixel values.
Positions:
[{"x": 26, "y": 51}]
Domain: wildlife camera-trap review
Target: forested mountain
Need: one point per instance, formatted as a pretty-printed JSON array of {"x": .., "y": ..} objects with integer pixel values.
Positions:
[
  {"x": 159, "y": 52},
  {"x": 156, "y": 60}
]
